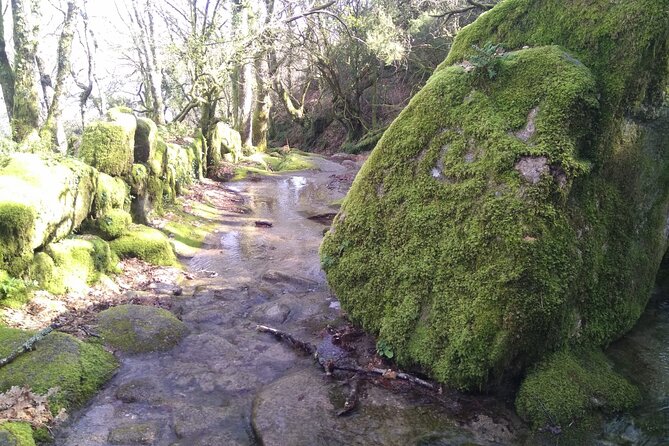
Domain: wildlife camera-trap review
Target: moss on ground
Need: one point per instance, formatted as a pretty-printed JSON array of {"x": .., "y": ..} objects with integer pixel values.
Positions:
[
  {"x": 16, "y": 434},
  {"x": 499, "y": 220},
  {"x": 189, "y": 229},
  {"x": 140, "y": 329},
  {"x": 13, "y": 292},
  {"x": 109, "y": 146},
  {"x": 77, "y": 368},
  {"x": 568, "y": 385},
  {"x": 147, "y": 244}
]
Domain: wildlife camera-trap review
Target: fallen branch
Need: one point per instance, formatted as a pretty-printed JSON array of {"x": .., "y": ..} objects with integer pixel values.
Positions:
[
  {"x": 263, "y": 224},
  {"x": 352, "y": 399},
  {"x": 28, "y": 345},
  {"x": 329, "y": 366}
]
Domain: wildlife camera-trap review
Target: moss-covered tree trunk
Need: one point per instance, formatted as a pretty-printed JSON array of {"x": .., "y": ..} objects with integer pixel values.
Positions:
[
  {"x": 51, "y": 126},
  {"x": 261, "y": 116},
  {"x": 6, "y": 71},
  {"x": 25, "y": 115}
]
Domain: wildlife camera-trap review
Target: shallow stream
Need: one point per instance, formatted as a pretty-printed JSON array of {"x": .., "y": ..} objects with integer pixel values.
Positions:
[{"x": 227, "y": 384}]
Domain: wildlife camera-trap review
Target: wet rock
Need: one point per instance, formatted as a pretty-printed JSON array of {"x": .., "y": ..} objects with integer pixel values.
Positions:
[
  {"x": 132, "y": 434},
  {"x": 301, "y": 410},
  {"x": 271, "y": 313},
  {"x": 189, "y": 421},
  {"x": 141, "y": 390},
  {"x": 138, "y": 329}
]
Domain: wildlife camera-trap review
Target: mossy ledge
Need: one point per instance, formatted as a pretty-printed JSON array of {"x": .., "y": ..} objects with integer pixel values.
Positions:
[
  {"x": 147, "y": 244},
  {"x": 501, "y": 220}
]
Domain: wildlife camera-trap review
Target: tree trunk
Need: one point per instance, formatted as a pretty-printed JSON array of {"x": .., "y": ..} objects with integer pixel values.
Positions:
[
  {"x": 52, "y": 124},
  {"x": 6, "y": 72},
  {"x": 245, "y": 77},
  {"x": 262, "y": 112},
  {"x": 25, "y": 115}
]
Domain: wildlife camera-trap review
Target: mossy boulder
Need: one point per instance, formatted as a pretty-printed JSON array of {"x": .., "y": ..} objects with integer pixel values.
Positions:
[
  {"x": 140, "y": 329},
  {"x": 146, "y": 135},
  {"x": 111, "y": 193},
  {"x": 78, "y": 262},
  {"x": 568, "y": 385},
  {"x": 113, "y": 224},
  {"x": 179, "y": 160},
  {"x": 226, "y": 143},
  {"x": 109, "y": 146},
  {"x": 501, "y": 219},
  {"x": 145, "y": 243},
  {"x": 16, "y": 434},
  {"x": 42, "y": 199},
  {"x": 76, "y": 368}
]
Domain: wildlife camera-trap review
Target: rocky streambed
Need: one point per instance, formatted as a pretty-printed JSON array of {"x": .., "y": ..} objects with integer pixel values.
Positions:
[{"x": 227, "y": 384}]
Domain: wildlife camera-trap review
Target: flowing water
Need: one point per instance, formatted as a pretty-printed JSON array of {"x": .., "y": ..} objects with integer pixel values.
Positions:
[{"x": 227, "y": 384}]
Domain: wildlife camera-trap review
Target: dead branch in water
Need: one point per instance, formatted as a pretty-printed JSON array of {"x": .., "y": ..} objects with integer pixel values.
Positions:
[{"x": 329, "y": 365}]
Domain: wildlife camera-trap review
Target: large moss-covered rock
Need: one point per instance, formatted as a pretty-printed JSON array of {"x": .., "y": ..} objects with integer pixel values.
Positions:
[
  {"x": 113, "y": 224},
  {"x": 139, "y": 329},
  {"x": 111, "y": 193},
  {"x": 225, "y": 143},
  {"x": 76, "y": 368},
  {"x": 42, "y": 199},
  {"x": 180, "y": 165},
  {"x": 500, "y": 219},
  {"x": 146, "y": 135},
  {"x": 147, "y": 244},
  {"x": 109, "y": 145},
  {"x": 78, "y": 262}
]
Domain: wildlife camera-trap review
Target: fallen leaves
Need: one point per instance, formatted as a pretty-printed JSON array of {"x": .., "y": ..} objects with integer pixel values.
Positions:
[{"x": 20, "y": 404}]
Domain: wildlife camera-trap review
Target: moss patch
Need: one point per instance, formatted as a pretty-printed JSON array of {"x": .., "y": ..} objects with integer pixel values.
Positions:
[
  {"x": 109, "y": 146},
  {"x": 77, "y": 368},
  {"x": 147, "y": 244},
  {"x": 140, "y": 329},
  {"x": 567, "y": 386},
  {"x": 145, "y": 140},
  {"x": 188, "y": 230},
  {"x": 13, "y": 292},
  {"x": 78, "y": 262},
  {"x": 16, "y": 434},
  {"x": 113, "y": 224},
  {"x": 111, "y": 193}
]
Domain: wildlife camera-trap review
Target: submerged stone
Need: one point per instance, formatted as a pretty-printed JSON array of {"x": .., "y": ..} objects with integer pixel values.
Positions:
[
  {"x": 140, "y": 329},
  {"x": 499, "y": 220}
]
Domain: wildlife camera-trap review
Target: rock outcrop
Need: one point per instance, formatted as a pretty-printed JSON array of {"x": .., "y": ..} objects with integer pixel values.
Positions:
[{"x": 505, "y": 217}]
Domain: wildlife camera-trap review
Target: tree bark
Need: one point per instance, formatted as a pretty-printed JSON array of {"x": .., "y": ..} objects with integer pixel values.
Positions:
[
  {"x": 62, "y": 71},
  {"x": 264, "y": 106},
  {"x": 245, "y": 77},
  {"x": 25, "y": 115},
  {"x": 6, "y": 71}
]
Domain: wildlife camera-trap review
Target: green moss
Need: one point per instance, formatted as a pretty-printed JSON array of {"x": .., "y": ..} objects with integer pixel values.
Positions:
[
  {"x": 16, "y": 434},
  {"x": 79, "y": 262},
  {"x": 410, "y": 255},
  {"x": 109, "y": 146},
  {"x": 567, "y": 386},
  {"x": 43, "y": 271},
  {"x": 623, "y": 43},
  {"x": 113, "y": 224},
  {"x": 139, "y": 177},
  {"x": 77, "y": 368},
  {"x": 179, "y": 160},
  {"x": 189, "y": 229},
  {"x": 17, "y": 224},
  {"x": 140, "y": 329},
  {"x": 13, "y": 292},
  {"x": 111, "y": 193},
  {"x": 225, "y": 143},
  {"x": 147, "y": 244}
]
